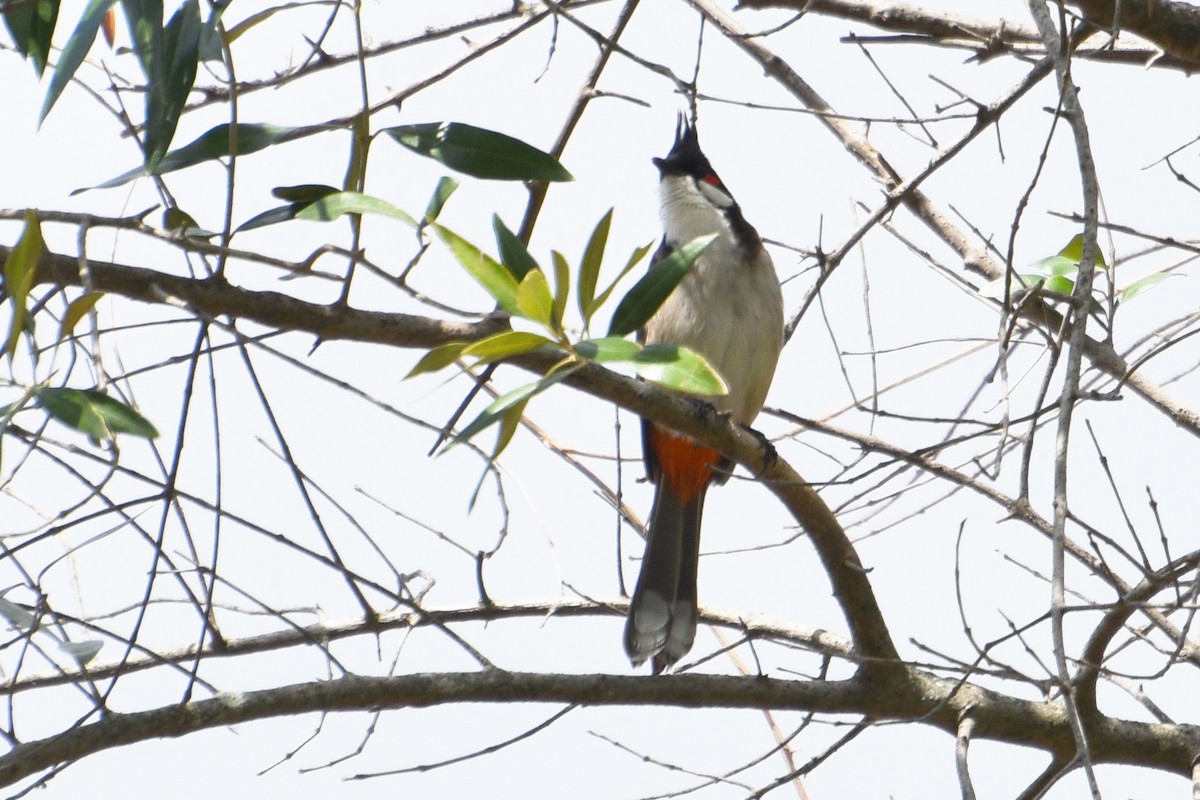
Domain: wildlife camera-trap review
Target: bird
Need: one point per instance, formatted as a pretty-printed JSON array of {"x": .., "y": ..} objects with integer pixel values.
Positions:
[{"x": 729, "y": 309}]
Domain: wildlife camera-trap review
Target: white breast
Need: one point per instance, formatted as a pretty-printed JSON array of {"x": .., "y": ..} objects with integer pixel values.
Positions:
[{"x": 728, "y": 308}]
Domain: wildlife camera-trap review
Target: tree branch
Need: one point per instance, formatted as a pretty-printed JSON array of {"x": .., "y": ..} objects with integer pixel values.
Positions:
[
  {"x": 912, "y": 695},
  {"x": 215, "y": 297}
]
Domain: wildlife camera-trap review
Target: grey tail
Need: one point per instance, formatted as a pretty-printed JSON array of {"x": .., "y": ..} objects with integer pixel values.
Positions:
[{"x": 663, "y": 611}]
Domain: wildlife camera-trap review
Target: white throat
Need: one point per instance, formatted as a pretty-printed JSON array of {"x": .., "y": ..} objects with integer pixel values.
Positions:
[{"x": 686, "y": 213}]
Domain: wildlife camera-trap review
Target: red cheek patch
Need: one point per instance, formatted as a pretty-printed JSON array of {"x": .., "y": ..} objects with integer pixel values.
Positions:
[{"x": 712, "y": 180}]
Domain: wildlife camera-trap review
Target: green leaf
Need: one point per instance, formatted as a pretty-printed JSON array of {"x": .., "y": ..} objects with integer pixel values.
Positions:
[
  {"x": 209, "y": 146},
  {"x": 608, "y": 349},
  {"x": 262, "y": 16},
  {"x": 441, "y": 193},
  {"x": 640, "y": 302},
  {"x": 509, "y": 421},
  {"x": 1057, "y": 266},
  {"x": 272, "y": 216},
  {"x": 335, "y": 205},
  {"x": 562, "y": 289},
  {"x": 170, "y": 77},
  {"x": 19, "y": 272},
  {"x": 673, "y": 367},
  {"x": 360, "y": 145},
  {"x": 304, "y": 193},
  {"x": 478, "y": 152},
  {"x": 679, "y": 369},
  {"x": 82, "y": 652},
  {"x": 169, "y": 55},
  {"x": 634, "y": 259},
  {"x": 589, "y": 266},
  {"x": 513, "y": 253},
  {"x": 77, "y": 310},
  {"x": 327, "y": 208},
  {"x": 494, "y": 412},
  {"x": 505, "y": 345},
  {"x": 32, "y": 25},
  {"x": 438, "y": 358},
  {"x": 93, "y": 412},
  {"x": 1059, "y": 285},
  {"x": 73, "y": 52},
  {"x": 298, "y": 197},
  {"x": 1074, "y": 252},
  {"x": 534, "y": 300},
  {"x": 17, "y": 615},
  {"x": 491, "y": 274},
  {"x": 211, "y": 47},
  {"x": 1142, "y": 284}
]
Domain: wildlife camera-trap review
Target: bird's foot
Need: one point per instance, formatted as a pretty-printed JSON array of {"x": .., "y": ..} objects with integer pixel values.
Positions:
[{"x": 770, "y": 455}]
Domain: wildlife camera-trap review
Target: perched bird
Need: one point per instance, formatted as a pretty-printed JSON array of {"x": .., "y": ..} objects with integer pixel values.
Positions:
[{"x": 729, "y": 309}]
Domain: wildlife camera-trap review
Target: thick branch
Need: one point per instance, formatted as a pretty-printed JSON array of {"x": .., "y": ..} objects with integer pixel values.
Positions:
[
  {"x": 913, "y": 696},
  {"x": 816, "y": 640},
  {"x": 1174, "y": 27},
  {"x": 218, "y": 298}
]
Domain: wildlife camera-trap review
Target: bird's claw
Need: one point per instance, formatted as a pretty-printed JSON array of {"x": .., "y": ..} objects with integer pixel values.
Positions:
[{"x": 770, "y": 454}]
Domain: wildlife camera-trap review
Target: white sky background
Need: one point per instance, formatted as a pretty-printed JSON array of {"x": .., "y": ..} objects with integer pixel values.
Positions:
[{"x": 789, "y": 175}]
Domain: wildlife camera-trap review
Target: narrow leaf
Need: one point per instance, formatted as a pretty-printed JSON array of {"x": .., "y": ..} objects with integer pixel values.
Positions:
[
  {"x": 171, "y": 79},
  {"x": 304, "y": 193},
  {"x": 79, "y": 308},
  {"x": 327, "y": 208},
  {"x": 74, "y": 51},
  {"x": 19, "y": 272},
  {"x": 478, "y": 152},
  {"x": 589, "y": 266},
  {"x": 505, "y": 345},
  {"x": 500, "y": 405},
  {"x": 17, "y": 615},
  {"x": 509, "y": 421},
  {"x": 640, "y": 302},
  {"x": 513, "y": 253},
  {"x": 82, "y": 652},
  {"x": 360, "y": 143},
  {"x": 441, "y": 193},
  {"x": 490, "y": 274},
  {"x": 562, "y": 289},
  {"x": 262, "y": 16},
  {"x": 272, "y": 216},
  {"x": 635, "y": 258},
  {"x": 608, "y": 350},
  {"x": 32, "y": 25},
  {"x": 1143, "y": 284},
  {"x": 93, "y": 412},
  {"x": 534, "y": 300},
  {"x": 438, "y": 358},
  {"x": 333, "y": 206},
  {"x": 209, "y": 146}
]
